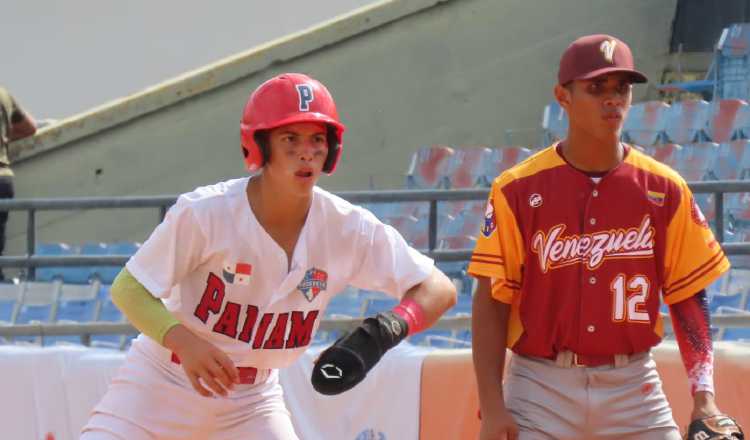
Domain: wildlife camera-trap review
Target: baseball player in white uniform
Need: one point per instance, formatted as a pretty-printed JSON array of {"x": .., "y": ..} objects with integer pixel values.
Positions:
[{"x": 232, "y": 285}]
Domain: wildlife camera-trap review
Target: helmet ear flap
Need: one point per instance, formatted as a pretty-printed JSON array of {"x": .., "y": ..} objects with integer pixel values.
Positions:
[
  {"x": 334, "y": 149},
  {"x": 262, "y": 139}
]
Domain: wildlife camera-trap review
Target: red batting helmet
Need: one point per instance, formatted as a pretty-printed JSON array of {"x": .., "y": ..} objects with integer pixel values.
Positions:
[{"x": 287, "y": 99}]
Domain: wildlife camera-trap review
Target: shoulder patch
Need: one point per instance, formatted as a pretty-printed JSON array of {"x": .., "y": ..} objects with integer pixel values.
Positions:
[
  {"x": 697, "y": 214},
  {"x": 489, "y": 219}
]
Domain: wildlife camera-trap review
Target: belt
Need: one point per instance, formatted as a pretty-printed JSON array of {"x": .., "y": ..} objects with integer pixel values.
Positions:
[
  {"x": 568, "y": 359},
  {"x": 247, "y": 375}
]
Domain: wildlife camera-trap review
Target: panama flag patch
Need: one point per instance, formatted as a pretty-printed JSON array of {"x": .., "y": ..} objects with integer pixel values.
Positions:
[
  {"x": 238, "y": 273},
  {"x": 313, "y": 283}
]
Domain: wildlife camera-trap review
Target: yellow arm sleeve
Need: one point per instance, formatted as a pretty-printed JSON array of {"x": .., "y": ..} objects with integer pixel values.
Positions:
[{"x": 147, "y": 313}]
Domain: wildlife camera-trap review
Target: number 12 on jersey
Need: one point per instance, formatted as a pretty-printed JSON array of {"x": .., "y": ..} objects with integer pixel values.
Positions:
[{"x": 629, "y": 298}]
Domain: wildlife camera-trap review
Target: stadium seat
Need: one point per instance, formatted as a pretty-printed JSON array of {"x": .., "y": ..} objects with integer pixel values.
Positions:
[
  {"x": 428, "y": 167},
  {"x": 38, "y": 301},
  {"x": 503, "y": 158},
  {"x": 465, "y": 167},
  {"x": 10, "y": 300},
  {"x": 456, "y": 271},
  {"x": 694, "y": 161},
  {"x": 739, "y": 283},
  {"x": 665, "y": 153},
  {"x": 686, "y": 121},
  {"x": 108, "y": 312},
  {"x": 414, "y": 230},
  {"x": 38, "y": 305},
  {"x": 344, "y": 304},
  {"x": 105, "y": 274},
  {"x": 77, "y": 304},
  {"x": 738, "y": 232},
  {"x": 736, "y": 334},
  {"x": 734, "y": 301},
  {"x": 554, "y": 122},
  {"x": 645, "y": 123},
  {"x": 464, "y": 336},
  {"x": 729, "y": 116},
  {"x": 462, "y": 307},
  {"x": 459, "y": 233},
  {"x": 438, "y": 338},
  {"x": 67, "y": 273},
  {"x": 381, "y": 304},
  {"x": 124, "y": 248},
  {"x": 730, "y": 155}
]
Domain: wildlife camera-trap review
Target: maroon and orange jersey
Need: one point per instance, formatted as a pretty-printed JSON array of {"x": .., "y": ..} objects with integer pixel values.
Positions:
[{"x": 583, "y": 264}]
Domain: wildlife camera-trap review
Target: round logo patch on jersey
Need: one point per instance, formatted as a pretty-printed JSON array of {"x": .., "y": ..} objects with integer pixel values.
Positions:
[
  {"x": 697, "y": 214},
  {"x": 489, "y": 220},
  {"x": 535, "y": 200}
]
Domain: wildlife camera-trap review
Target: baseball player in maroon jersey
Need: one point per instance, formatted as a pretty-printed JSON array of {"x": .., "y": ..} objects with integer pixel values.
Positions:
[{"x": 580, "y": 244}]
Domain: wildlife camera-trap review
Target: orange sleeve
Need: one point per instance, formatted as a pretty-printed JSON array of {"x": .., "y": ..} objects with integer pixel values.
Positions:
[
  {"x": 693, "y": 257},
  {"x": 498, "y": 254}
]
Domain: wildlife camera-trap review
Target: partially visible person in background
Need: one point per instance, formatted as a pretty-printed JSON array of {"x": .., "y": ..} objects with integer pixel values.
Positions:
[{"x": 15, "y": 124}]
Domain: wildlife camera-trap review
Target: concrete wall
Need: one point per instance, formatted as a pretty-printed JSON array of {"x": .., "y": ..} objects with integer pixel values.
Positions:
[
  {"x": 67, "y": 56},
  {"x": 404, "y": 73}
]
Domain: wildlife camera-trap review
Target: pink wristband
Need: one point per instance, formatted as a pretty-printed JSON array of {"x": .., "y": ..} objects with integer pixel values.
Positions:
[{"x": 412, "y": 314}]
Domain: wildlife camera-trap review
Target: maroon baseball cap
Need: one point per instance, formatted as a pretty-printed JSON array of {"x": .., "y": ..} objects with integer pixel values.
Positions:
[{"x": 594, "y": 55}]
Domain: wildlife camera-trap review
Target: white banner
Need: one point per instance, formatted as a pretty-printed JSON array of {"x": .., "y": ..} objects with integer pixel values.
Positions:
[{"x": 47, "y": 394}]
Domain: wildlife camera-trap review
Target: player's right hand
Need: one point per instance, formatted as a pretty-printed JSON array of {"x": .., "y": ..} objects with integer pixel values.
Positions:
[
  {"x": 498, "y": 425},
  {"x": 205, "y": 365}
]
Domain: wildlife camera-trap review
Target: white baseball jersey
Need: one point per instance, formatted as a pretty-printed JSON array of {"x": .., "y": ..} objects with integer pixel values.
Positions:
[{"x": 220, "y": 273}]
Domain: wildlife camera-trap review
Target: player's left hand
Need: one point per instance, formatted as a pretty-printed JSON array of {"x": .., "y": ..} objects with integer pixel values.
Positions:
[
  {"x": 346, "y": 363},
  {"x": 719, "y": 427}
]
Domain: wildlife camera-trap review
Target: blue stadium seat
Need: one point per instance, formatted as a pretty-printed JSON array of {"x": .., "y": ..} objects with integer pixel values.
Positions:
[
  {"x": 344, "y": 304},
  {"x": 646, "y": 123},
  {"x": 77, "y": 304},
  {"x": 10, "y": 300},
  {"x": 554, "y": 122},
  {"x": 49, "y": 273},
  {"x": 736, "y": 334},
  {"x": 466, "y": 167},
  {"x": 375, "y": 305},
  {"x": 729, "y": 118},
  {"x": 434, "y": 338},
  {"x": 739, "y": 282},
  {"x": 726, "y": 165},
  {"x": 128, "y": 248},
  {"x": 38, "y": 305},
  {"x": 462, "y": 307},
  {"x": 686, "y": 121},
  {"x": 105, "y": 274},
  {"x": 108, "y": 312},
  {"x": 503, "y": 158},
  {"x": 665, "y": 153},
  {"x": 428, "y": 167},
  {"x": 38, "y": 301},
  {"x": 325, "y": 337},
  {"x": 465, "y": 336},
  {"x": 694, "y": 161},
  {"x": 733, "y": 301}
]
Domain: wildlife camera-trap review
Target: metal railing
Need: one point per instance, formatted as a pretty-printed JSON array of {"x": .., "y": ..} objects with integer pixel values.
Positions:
[
  {"x": 32, "y": 206},
  {"x": 162, "y": 203}
]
